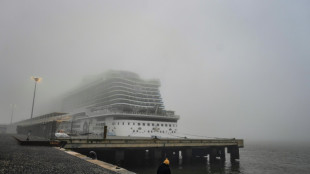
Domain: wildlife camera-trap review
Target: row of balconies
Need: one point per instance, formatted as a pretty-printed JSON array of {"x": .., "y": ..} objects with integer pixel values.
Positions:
[
  {"x": 110, "y": 86},
  {"x": 129, "y": 97},
  {"x": 126, "y": 101},
  {"x": 122, "y": 82},
  {"x": 133, "y": 99},
  {"x": 110, "y": 91},
  {"x": 141, "y": 82},
  {"x": 144, "y": 93},
  {"x": 126, "y": 92}
]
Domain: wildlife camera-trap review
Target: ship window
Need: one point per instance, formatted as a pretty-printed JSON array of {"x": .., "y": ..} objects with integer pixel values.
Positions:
[
  {"x": 117, "y": 123},
  {"x": 128, "y": 123},
  {"x": 138, "y": 124},
  {"x": 169, "y": 125},
  {"x": 133, "y": 123},
  {"x": 152, "y": 124},
  {"x": 123, "y": 123},
  {"x": 143, "y": 124},
  {"x": 165, "y": 125},
  {"x": 162, "y": 124},
  {"x": 148, "y": 124},
  {"x": 157, "y": 124}
]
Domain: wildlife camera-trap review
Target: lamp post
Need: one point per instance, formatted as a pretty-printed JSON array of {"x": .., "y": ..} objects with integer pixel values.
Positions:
[
  {"x": 13, "y": 107},
  {"x": 36, "y": 80}
]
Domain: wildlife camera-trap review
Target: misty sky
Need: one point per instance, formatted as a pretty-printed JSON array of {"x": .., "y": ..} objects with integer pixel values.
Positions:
[{"x": 231, "y": 68}]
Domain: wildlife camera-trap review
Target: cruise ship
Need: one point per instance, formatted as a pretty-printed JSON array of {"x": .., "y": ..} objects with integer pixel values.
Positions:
[{"x": 127, "y": 104}]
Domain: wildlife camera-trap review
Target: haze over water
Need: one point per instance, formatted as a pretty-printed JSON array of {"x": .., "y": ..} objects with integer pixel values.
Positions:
[{"x": 230, "y": 69}]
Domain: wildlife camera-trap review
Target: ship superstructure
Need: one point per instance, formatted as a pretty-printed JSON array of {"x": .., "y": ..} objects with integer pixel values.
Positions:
[{"x": 127, "y": 104}]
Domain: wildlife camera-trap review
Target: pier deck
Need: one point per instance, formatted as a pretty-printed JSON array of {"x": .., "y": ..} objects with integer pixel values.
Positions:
[
  {"x": 120, "y": 147},
  {"x": 149, "y": 143}
]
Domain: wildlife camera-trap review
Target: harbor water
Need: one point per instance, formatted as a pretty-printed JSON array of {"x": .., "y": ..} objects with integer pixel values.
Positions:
[{"x": 255, "y": 158}]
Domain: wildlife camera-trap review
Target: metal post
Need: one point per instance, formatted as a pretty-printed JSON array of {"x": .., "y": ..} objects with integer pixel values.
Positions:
[
  {"x": 105, "y": 130},
  {"x": 34, "y": 96},
  {"x": 13, "y": 106},
  {"x": 36, "y": 79},
  {"x": 88, "y": 129}
]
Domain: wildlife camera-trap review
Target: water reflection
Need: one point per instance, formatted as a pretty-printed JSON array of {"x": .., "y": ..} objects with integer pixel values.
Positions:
[
  {"x": 142, "y": 162},
  {"x": 194, "y": 166},
  {"x": 235, "y": 167}
]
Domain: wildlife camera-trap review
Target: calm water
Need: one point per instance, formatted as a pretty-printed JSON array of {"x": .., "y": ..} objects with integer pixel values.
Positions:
[{"x": 262, "y": 158}]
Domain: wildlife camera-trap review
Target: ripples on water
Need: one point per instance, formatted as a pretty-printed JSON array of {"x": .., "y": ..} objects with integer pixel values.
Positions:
[
  {"x": 198, "y": 166},
  {"x": 255, "y": 159},
  {"x": 275, "y": 158}
]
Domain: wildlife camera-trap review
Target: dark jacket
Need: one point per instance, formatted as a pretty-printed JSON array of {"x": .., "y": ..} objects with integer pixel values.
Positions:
[{"x": 163, "y": 169}]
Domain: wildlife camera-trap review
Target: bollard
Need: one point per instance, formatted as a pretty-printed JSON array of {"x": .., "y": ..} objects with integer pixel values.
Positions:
[{"x": 92, "y": 155}]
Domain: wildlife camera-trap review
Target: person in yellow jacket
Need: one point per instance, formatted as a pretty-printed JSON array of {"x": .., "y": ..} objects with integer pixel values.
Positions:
[{"x": 164, "y": 167}]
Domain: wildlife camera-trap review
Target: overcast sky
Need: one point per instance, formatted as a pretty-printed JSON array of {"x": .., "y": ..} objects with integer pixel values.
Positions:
[{"x": 228, "y": 68}]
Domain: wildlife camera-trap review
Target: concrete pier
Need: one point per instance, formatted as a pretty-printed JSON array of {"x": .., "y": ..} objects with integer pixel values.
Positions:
[
  {"x": 222, "y": 153},
  {"x": 119, "y": 155},
  {"x": 157, "y": 154},
  {"x": 122, "y": 148},
  {"x": 187, "y": 154},
  {"x": 118, "y": 149},
  {"x": 125, "y": 148},
  {"x": 234, "y": 153},
  {"x": 212, "y": 154}
]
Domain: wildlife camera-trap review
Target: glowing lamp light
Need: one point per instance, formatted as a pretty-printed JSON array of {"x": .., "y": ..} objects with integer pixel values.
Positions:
[{"x": 36, "y": 79}]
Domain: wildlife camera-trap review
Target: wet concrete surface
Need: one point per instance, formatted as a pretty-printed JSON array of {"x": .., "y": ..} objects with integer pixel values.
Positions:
[{"x": 17, "y": 159}]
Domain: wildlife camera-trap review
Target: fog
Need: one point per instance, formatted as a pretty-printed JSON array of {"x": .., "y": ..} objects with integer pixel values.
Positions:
[{"x": 228, "y": 68}]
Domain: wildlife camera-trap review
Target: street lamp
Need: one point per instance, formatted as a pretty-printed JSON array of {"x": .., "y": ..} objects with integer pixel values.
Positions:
[
  {"x": 13, "y": 107},
  {"x": 36, "y": 80}
]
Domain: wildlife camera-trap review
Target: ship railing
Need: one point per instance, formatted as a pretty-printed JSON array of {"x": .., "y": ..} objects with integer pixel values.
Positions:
[{"x": 133, "y": 113}]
